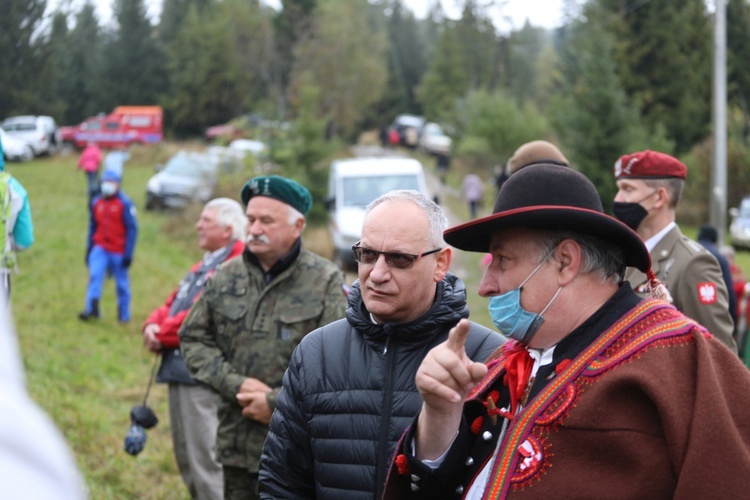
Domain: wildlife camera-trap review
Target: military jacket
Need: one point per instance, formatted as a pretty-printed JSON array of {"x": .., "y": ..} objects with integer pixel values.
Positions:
[
  {"x": 240, "y": 327},
  {"x": 693, "y": 277}
]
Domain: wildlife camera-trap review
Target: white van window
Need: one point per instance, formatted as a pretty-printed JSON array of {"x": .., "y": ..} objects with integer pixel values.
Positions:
[{"x": 360, "y": 191}]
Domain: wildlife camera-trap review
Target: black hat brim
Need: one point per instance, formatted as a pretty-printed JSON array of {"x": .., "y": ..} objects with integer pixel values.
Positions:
[{"x": 474, "y": 236}]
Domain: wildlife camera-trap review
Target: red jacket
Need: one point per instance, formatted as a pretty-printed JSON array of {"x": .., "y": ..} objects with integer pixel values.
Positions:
[
  {"x": 113, "y": 225},
  {"x": 170, "y": 325}
]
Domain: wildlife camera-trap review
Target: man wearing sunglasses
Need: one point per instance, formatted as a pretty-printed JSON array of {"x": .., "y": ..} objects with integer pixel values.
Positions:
[
  {"x": 253, "y": 312},
  {"x": 349, "y": 391}
]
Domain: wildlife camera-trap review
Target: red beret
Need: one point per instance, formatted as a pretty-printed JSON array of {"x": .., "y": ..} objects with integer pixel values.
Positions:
[{"x": 647, "y": 164}]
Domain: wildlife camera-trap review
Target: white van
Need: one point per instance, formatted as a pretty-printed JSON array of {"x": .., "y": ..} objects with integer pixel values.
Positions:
[{"x": 352, "y": 184}]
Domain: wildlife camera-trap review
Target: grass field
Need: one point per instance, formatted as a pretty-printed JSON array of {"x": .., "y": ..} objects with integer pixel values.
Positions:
[{"x": 87, "y": 376}]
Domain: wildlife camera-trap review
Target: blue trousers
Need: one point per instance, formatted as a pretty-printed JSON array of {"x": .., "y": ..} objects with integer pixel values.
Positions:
[
  {"x": 100, "y": 262},
  {"x": 93, "y": 183}
]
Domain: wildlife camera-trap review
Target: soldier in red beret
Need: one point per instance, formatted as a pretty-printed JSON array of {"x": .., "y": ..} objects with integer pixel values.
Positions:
[{"x": 649, "y": 185}]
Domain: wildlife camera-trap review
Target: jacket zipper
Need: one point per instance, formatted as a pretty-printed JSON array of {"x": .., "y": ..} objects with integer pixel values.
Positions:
[{"x": 385, "y": 417}]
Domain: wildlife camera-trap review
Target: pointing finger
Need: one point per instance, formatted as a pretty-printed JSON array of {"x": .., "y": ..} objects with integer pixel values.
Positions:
[{"x": 457, "y": 336}]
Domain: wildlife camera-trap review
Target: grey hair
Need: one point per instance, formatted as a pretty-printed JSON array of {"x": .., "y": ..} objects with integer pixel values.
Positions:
[
  {"x": 294, "y": 216},
  {"x": 435, "y": 215},
  {"x": 673, "y": 186},
  {"x": 229, "y": 213},
  {"x": 598, "y": 255}
]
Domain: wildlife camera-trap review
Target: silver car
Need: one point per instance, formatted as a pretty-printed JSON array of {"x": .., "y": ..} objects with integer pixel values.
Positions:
[
  {"x": 187, "y": 177},
  {"x": 739, "y": 229}
]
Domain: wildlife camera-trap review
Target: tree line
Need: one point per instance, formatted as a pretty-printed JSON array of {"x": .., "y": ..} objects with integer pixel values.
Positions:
[{"x": 617, "y": 76}]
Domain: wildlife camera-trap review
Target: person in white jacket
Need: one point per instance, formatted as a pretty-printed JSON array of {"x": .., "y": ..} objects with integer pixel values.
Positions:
[{"x": 35, "y": 461}]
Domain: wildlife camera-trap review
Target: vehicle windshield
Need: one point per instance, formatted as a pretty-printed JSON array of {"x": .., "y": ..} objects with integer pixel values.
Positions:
[
  {"x": 433, "y": 129},
  {"x": 18, "y": 127},
  {"x": 745, "y": 209},
  {"x": 360, "y": 191},
  {"x": 186, "y": 166}
]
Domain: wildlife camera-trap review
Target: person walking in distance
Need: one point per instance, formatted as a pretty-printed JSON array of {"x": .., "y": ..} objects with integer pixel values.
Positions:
[
  {"x": 113, "y": 230},
  {"x": 89, "y": 162}
]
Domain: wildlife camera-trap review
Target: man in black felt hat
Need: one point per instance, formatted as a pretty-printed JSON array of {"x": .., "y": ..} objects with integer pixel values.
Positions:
[
  {"x": 254, "y": 310},
  {"x": 598, "y": 393}
]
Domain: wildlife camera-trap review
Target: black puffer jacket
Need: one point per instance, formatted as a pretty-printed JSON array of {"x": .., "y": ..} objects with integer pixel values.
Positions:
[{"x": 348, "y": 395}]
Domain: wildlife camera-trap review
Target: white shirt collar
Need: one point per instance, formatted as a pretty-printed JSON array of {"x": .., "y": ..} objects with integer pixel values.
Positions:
[
  {"x": 541, "y": 357},
  {"x": 655, "y": 239}
]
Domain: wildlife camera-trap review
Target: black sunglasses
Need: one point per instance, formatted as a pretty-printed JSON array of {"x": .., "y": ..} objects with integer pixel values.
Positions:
[{"x": 398, "y": 260}]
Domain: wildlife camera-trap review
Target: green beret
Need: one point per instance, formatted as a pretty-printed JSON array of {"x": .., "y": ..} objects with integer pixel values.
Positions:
[{"x": 280, "y": 188}]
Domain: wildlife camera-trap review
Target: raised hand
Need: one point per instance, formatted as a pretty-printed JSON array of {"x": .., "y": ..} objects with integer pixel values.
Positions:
[
  {"x": 444, "y": 378},
  {"x": 447, "y": 374}
]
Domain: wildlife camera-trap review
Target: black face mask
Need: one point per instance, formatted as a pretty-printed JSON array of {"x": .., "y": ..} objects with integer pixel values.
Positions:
[{"x": 631, "y": 214}]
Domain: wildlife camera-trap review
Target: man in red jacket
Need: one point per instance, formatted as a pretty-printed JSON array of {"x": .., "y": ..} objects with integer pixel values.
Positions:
[
  {"x": 192, "y": 405},
  {"x": 113, "y": 230}
]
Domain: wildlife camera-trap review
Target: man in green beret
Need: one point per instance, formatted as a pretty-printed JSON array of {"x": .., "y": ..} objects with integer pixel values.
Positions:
[{"x": 253, "y": 312}]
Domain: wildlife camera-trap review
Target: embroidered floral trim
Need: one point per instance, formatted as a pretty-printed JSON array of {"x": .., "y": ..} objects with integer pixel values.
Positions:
[
  {"x": 620, "y": 343},
  {"x": 531, "y": 459},
  {"x": 563, "y": 364},
  {"x": 559, "y": 407}
]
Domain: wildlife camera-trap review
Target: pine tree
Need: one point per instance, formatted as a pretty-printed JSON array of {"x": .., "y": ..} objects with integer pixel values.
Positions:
[
  {"x": 591, "y": 114},
  {"x": 663, "y": 54},
  {"x": 135, "y": 60},
  {"x": 738, "y": 54},
  {"x": 21, "y": 55},
  {"x": 344, "y": 60}
]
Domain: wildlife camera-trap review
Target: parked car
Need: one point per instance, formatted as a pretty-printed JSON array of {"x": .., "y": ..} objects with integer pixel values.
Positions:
[
  {"x": 248, "y": 146},
  {"x": 228, "y": 160},
  {"x": 186, "y": 178},
  {"x": 433, "y": 140},
  {"x": 125, "y": 125},
  {"x": 40, "y": 132},
  {"x": 352, "y": 184},
  {"x": 15, "y": 149},
  {"x": 223, "y": 132},
  {"x": 409, "y": 128},
  {"x": 739, "y": 229}
]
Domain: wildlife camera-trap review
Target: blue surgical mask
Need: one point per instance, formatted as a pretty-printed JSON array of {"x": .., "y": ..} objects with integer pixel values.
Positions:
[{"x": 511, "y": 318}]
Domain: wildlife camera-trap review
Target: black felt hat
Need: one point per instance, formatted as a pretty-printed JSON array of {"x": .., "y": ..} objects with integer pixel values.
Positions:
[{"x": 550, "y": 197}]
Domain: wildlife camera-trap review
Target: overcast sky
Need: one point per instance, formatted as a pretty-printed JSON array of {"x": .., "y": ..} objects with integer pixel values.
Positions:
[{"x": 507, "y": 14}]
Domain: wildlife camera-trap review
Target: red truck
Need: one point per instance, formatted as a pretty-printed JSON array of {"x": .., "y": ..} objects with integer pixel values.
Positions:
[{"x": 124, "y": 126}]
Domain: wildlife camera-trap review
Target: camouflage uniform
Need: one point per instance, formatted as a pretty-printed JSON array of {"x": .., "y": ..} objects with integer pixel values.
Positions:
[{"x": 242, "y": 327}]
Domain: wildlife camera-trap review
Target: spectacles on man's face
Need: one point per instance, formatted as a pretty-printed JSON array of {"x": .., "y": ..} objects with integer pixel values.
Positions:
[{"x": 397, "y": 260}]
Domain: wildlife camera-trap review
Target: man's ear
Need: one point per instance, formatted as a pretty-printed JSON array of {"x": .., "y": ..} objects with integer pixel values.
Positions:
[
  {"x": 568, "y": 259},
  {"x": 444, "y": 258},
  {"x": 299, "y": 226},
  {"x": 227, "y": 232},
  {"x": 663, "y": 197}
]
